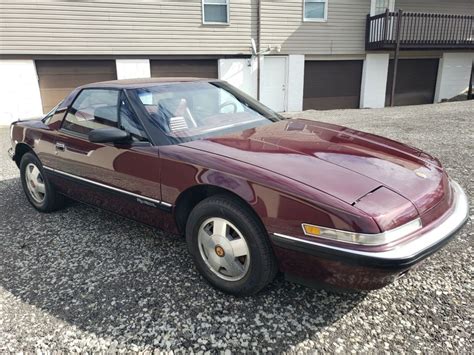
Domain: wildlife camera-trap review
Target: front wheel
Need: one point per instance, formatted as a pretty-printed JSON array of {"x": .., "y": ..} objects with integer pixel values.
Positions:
[
  {"x": 39, "y": 191},
  {"x": 230, "y": 246}
]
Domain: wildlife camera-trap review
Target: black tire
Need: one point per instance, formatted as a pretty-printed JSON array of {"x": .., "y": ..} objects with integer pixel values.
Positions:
[
  {"x": 262, "y": 267},
  {"x": 52, "y": 200}
]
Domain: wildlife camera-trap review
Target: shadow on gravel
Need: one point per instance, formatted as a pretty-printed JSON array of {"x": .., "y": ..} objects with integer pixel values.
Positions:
[{"x": 126, "y": 282}]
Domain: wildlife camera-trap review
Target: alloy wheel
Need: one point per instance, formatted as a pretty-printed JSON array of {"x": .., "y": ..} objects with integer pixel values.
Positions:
[
  {"x": 224, "y": 249},
  {"x": 35, "y": 183}
]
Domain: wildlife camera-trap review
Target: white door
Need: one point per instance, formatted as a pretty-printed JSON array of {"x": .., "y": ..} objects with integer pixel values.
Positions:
[{"x": 273, "y": 83}]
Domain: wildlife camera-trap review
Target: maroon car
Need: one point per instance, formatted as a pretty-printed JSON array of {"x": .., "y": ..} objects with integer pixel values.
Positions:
[{"x": 253, "y": 192}]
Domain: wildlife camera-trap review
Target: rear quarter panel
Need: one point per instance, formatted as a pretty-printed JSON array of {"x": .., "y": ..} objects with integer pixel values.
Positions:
[{"x": 38, "y": 136}]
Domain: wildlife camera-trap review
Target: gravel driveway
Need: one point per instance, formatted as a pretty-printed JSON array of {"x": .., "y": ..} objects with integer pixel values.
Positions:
[{"x": 85, "y": 280}]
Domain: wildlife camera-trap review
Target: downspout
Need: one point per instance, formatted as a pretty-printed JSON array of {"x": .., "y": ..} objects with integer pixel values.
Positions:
[
  {"x": 469, "y": 91},
  {"x": 259, "y": 16}
]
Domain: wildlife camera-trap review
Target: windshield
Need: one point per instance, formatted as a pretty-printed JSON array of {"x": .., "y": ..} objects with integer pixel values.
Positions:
[{"x": 192, "y": 110}]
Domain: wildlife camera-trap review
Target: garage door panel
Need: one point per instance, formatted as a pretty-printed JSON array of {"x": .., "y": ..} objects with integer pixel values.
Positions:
[
  {"x": 332, "y": 84},
  {"x": 51, "y": 97},
  {"x": 330, "y": 92},
  {"x": 71, "y": 81},
  {"x": 416, "y": 81},
  {"x": 330, "y": 103},
  {"x": 75, "y": 66},
  {"x": 204, "y": 68},
  {"x": 57, "y": 78}
]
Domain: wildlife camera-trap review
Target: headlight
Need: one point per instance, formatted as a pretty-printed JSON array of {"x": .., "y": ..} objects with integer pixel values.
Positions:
[
  {"x": 11, "y": 131},
  {"x": 361, "y": 238}
]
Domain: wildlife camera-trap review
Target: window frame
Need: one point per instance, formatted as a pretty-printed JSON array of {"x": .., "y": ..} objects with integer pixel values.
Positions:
[
  {"x": 123, "y": 97},
  {"x": 204, "y": 22},
  {"x": 121, "y": 93},
  {"x": 64, "y": 129},
  {"x": 391, "y": 6},
  {"x": 50, "y": 114},
  {"x": 324, "y": 19}
]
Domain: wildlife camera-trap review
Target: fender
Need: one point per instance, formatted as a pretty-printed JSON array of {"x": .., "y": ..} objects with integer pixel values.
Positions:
[{"x": 183, "y": 168}]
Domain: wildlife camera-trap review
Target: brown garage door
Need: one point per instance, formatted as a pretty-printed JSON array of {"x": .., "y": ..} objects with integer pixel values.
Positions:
[
  {"x": 416, "y": 81},
  {"x": 332, "y": 84},
  {"x": 184, "y": 68},
  {"x": 57, "y": 78}
]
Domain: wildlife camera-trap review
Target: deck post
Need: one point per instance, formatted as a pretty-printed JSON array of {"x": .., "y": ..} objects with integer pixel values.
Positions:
[{"x": 395, "y": 58}]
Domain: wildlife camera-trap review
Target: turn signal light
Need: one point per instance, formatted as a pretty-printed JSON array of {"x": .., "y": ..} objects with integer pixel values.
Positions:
[
  {"x": 311, "y": 230},
  {"x": 386, "y": 237}
]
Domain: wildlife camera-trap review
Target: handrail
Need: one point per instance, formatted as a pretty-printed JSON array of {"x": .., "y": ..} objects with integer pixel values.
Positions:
[{"x": 420, "y": 30}]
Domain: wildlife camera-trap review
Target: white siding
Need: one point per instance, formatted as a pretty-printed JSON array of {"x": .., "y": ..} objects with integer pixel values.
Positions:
[
  {"x": 295, "y": 82},
  {"x": 133, "y": 68},
  {"x": 343, "y": 33},
  {"x": 126, "y": 27},
  {"x": 242, "y": 73},
  {"x": 374, "y": 80},
  {"x": 173, "y": 27},
  {"x": 453, "y": 75},
  {"x": 458, "y": 7},
  {"x": 19, "y": 91}
]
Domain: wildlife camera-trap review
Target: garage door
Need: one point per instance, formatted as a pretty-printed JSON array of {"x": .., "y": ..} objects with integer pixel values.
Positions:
[
  {"x": 184, "y": 68},
  {"x": 57, "y": 78},
  {"x": 416, "y": 81},
  {"x": 332, "y": 84}
]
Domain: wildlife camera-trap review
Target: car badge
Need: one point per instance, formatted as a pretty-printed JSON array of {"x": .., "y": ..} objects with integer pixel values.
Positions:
[{"x": 421, "y": 175}]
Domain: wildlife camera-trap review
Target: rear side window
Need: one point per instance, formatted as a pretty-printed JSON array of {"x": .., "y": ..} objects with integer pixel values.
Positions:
[{"x": 92, "y": 109}]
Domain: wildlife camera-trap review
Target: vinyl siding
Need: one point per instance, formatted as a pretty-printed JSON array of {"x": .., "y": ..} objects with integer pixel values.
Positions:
[
  {"x": 122, "y": 27},
  {"x": 343, "y": 33},
  {"x": 173, "y": 27},
  {"x": 458, "y": 7}
]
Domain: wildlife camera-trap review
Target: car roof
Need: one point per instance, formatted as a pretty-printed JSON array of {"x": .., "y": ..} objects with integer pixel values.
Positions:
[{"x": 140, "y": 83}]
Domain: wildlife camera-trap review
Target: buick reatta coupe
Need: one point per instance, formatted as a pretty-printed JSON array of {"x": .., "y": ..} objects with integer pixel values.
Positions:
[{"x": 253, "y": 193}]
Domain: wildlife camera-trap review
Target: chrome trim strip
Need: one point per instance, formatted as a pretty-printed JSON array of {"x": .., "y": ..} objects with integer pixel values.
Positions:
[
  {"x": 452, "y": 223},
  {"x": 149, "y": 199}
]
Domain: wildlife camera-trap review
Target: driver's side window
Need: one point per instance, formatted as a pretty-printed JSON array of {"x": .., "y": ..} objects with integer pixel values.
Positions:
[
  {"x": 129, "y": 121},
  {"x": 92, "y": 109}
]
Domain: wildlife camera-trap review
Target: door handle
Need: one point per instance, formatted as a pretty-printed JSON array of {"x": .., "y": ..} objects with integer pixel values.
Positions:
[{"x": 60, "y": 146}]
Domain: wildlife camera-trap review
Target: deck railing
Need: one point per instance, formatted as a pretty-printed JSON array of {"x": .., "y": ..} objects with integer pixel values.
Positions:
[{"x": 419, "y": 31}]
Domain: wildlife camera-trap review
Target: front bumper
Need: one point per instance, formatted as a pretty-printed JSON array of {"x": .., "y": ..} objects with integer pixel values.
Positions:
[{"x": 391, "y": 261}]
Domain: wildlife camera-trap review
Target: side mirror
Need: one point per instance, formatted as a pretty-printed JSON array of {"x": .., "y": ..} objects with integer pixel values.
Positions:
[{"x": 109, "y": 135}]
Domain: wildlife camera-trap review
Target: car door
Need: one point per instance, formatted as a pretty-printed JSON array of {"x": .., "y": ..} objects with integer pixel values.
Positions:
[{"x": 123, "y": 178}]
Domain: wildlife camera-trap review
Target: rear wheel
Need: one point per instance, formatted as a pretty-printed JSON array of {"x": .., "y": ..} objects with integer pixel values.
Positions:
[
  {"x": 39, "y": 191},
  {"x": 229, "y": 246}
]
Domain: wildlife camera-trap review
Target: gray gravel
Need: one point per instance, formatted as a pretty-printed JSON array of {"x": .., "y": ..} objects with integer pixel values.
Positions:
[{"x": 84, "y": 280}]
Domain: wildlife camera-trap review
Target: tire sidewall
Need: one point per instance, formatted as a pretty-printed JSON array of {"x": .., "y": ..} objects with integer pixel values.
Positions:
[
  {"x": 240, "y": 219},
  {"x": 29, "y": 158}
]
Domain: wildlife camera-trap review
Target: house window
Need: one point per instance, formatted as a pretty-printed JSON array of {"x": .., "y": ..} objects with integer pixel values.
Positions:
[
  {"x": 215, "y": 11},
  {"x": 380, "y": 6},
  {"x": 315, "y": 10}
]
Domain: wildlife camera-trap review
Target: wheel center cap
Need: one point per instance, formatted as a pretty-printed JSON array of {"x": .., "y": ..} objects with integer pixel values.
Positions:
[{"x": 219, "y": 251}]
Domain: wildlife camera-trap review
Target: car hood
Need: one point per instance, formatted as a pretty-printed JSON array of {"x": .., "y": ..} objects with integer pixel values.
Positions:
[{"x": 340, "y": 161}]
